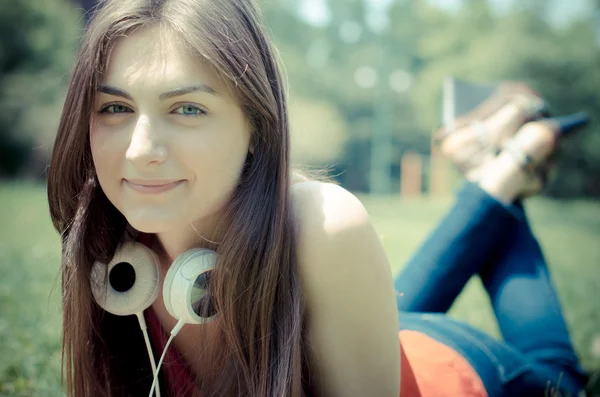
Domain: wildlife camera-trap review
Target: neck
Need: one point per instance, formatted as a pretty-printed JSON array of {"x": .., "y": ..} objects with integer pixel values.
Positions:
[{"x": 204, "y": 233}]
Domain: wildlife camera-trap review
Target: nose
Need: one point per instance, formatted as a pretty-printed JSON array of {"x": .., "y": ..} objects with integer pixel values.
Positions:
[{"x": 145, "y": 147}]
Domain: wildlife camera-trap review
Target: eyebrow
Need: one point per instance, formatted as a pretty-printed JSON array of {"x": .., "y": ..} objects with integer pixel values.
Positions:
[{"x": 106, "y": 89}]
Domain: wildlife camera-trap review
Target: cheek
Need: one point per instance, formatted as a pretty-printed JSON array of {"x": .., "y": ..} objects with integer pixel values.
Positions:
[
  {"x": 223, "y": 155},
  {"x": 106, "y": 150},
  {"x": 219, "y": 137},
  {"x": 216, "y": 160},
  {"x": 106, "y": 145}
]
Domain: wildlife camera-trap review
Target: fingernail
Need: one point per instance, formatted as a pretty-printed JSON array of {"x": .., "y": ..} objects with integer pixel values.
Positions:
[{"x": 570, "y": 123}]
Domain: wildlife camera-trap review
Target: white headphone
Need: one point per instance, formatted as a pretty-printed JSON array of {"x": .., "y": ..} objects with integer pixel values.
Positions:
[{"x": 130, "y": 283}]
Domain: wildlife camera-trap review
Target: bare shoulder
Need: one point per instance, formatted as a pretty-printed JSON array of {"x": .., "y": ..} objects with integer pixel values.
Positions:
[
  {"x": 326, "y": 207},
  {"x": 352, "y": 320},
  {"x": 332, "y": 224}
]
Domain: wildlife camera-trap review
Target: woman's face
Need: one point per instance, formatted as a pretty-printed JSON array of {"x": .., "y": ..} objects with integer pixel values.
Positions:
[{"x": 168, "y": 139}]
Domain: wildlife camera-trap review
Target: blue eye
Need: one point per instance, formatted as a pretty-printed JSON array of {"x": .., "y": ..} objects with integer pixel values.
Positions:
[
  {"x": 189, "y": 110},
  {"x": 115, "y": 109}
]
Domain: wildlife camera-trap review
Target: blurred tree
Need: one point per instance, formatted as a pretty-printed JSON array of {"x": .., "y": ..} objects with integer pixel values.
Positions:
[
  {"x": 37, "y": 42},
  {"x": 425, "y": 44},
  {"x": 318, "y": 132}
]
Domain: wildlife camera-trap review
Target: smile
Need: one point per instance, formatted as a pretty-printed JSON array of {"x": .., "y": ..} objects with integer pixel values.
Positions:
[{"x": 152, "y": 187}]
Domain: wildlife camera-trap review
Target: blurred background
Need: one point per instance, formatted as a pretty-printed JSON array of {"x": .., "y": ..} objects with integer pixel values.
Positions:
[{"x": 365, "y": 94}]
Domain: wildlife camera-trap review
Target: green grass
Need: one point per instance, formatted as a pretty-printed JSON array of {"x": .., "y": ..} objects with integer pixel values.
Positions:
[
  {"x": 30, "y": 254},
  {"x": 30, "y": 328}
]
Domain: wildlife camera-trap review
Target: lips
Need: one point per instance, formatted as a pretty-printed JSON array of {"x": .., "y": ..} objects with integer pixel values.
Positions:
[{"x": 152, "y": 186}]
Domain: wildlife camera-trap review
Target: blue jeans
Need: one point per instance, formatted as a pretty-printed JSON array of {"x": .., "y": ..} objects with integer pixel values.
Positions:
[{"x": 481, "y": 236}]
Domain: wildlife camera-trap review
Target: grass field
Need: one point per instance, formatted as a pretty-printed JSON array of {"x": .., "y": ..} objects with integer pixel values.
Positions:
[{"x": 30, "y": 254}]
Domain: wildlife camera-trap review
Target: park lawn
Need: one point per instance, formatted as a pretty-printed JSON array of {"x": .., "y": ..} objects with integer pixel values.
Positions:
[{"x": 30, "y": 253}]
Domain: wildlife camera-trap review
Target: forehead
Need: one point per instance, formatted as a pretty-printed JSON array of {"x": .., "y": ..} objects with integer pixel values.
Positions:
[{"x": 153, "y": 58}]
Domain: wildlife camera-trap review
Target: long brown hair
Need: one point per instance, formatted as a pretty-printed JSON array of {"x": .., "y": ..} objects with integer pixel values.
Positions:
[{"x": 255, "y": 287}]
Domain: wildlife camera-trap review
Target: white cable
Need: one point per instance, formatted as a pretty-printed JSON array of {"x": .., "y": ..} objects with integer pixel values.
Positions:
[
  {"x": 174, "y": 332},
  {"x": 144, "y": 329}
]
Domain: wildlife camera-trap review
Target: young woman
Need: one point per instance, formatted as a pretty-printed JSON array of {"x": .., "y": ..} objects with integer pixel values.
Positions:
[{"x": 174, "y": 134}]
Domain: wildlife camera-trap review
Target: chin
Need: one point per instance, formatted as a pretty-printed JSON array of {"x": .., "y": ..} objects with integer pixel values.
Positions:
[{"x": 152, "y": 225}]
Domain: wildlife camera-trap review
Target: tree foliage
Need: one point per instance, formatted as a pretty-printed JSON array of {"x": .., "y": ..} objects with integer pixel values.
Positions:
[
  {"x": 475, "y": 43},
  {"x": 37, "y": 42}
]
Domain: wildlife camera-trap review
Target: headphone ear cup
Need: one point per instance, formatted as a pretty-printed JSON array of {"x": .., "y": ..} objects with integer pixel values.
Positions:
[
  {"x": 184, "y": 284},
  {"x": 129, "y": 283}
]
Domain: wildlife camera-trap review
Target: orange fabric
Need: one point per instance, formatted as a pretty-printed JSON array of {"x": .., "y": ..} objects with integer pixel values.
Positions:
[{"x": 432, "y": 369}]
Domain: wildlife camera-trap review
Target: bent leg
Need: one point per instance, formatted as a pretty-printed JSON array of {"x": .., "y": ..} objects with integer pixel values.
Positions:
[
  {"x": 481, "y": 235},
  {"x": 473, "y": 231},
  {"x": 527, "y": 307}
]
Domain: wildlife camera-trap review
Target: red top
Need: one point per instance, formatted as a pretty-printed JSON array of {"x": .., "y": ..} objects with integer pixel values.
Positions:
[
  {"x": 429, "y": 368},
  {"x": 174, "y": 370}
]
